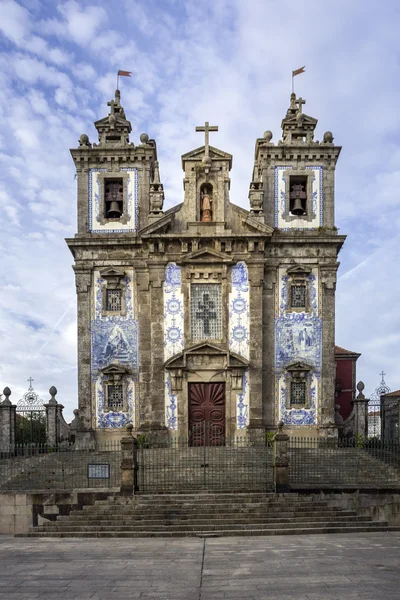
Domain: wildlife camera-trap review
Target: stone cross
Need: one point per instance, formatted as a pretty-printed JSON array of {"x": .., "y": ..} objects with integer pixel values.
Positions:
[
  {"x": 206, "y": 312},
  {"x": 207, "y": 128},
  {"x": 299, "y": 102},
  {"x": 30, "y": 383},
  {"x": 382, "y": 375}
]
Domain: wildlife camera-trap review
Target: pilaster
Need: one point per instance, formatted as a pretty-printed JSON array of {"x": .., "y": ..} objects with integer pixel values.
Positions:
[{"x": 83, "y": 279}]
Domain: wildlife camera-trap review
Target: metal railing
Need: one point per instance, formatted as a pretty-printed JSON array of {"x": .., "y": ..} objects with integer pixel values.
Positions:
[
  {"x": 204, "y": 460},
  {"x": 347, "y": 462},
  {"x": 43, "y": 467}
]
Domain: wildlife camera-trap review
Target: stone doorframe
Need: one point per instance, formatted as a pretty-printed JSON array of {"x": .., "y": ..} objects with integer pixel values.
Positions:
[{"x": 207, "y": 363}]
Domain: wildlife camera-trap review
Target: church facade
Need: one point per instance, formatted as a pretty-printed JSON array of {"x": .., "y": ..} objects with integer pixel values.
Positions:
[{"x": 206, "y": 312}]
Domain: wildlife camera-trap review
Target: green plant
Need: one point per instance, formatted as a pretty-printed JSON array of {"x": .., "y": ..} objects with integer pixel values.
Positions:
[
  {"x": 143, "y": 440},
  {"x": 269, "y": 438},
  {"x": 359, "y": 440}
]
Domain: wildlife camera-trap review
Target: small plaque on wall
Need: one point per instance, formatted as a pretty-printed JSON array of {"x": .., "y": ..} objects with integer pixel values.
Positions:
[{"x": 99, "y": 471}]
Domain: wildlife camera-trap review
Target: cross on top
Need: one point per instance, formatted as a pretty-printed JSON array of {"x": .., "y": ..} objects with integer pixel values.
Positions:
[
  {"x": 207, "y": 128},
  {"x": 300, "y": 103},
  {"x": 382, "y": 375},
  {"x": 30, "y": 382},
  {"x": 206, "y": 312}
]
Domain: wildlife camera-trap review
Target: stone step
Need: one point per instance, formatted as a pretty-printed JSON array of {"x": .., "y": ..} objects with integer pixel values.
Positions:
[
  {"x": 375, "y": 526},
  {"x": 225, "y": 519},
  {"x": 209, "y": 527},
  {"x": 200, "y": 512}
]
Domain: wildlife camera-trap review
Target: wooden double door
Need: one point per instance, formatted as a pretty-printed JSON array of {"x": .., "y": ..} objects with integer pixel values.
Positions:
[{"x": 206, "y": 414}]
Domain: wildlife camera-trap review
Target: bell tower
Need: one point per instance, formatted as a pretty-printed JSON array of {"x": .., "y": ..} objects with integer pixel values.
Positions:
[
  {"x": 293, "y": 191},
  {"x": 119, "y": 193}
]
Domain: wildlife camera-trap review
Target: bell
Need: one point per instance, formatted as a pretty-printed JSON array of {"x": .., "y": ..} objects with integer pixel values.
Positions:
[
  {"x": 298, "y": 207},
  {"x": 114, "y": 211}
]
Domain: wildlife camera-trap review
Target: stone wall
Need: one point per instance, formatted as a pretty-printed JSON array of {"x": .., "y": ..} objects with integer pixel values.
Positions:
[{"x": 19, "y": 512}]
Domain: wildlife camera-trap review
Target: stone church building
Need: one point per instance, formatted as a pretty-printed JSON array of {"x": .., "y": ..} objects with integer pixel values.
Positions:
[{"x": 206, "y": 312}]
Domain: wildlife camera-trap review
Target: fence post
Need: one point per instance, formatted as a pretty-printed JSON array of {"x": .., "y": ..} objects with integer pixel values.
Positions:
[
  {"x": 129, "y": 462},
  {"x": 281, "y": 459},
  {"x": 7, "y": 423},
  {"x": 52, "y": 428},
  {"x": 361, "y": 412}
]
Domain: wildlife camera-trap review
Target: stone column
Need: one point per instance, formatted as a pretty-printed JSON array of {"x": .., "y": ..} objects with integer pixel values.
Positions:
[
  {"x": 83, "y": 288},
  {"x": 360, "y": 407},
  {"x": 268, "y": 368},
  {"x": 7, "y": 423},
  {"x": 328, "y": 375},
  {"x": 129, "y": 462},
  {"x": 281, "y": 459},
  {"x": 256, "y": 280},
  {"x": 157, "y": 415}
]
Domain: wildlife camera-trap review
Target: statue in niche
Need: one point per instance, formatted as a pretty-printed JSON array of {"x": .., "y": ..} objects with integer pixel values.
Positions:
[{"x": 206, "y": 206}]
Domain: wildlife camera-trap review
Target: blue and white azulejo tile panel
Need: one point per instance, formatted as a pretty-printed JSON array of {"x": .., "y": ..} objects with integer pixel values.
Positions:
[
  {"x": 96, "y": 203},
  {"x": 282, "y": 200},
  {"x": 298, "y": 338},
  {"x": 239, "y": 311},
  {"x": 242, "y": 403},
  {"x": 239, "y": 334},
  {"x": 173, "y": 334},
  {"x": 114, "y": 341}
]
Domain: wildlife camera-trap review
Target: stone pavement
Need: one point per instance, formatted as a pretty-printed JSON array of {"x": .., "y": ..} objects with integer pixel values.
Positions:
[{"x": 315, "y": 567}]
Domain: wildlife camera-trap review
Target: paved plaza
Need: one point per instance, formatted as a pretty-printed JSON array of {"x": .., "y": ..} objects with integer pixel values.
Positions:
[{"x": 313, "y": 567}]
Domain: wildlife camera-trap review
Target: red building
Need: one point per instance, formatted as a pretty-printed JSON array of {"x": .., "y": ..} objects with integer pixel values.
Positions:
[{"x": 345, "y": 379}]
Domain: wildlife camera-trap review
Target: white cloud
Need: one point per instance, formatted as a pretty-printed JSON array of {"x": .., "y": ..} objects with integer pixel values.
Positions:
[{"x": 228, "y": 62}]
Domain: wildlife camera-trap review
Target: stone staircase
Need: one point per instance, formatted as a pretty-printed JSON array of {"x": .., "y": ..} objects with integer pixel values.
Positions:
[
  {"x": 207, "y": 515},
  {"x": 343, "y": 467}
]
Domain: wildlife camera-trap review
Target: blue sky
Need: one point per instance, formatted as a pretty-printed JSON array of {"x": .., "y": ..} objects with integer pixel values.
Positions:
[{"x": 228, "y": 62}]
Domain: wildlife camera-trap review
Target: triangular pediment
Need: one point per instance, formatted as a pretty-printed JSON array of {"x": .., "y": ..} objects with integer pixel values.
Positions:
[
  {"x": 306, "y": 120},
  {"x": 111, "y": 272},
  {"x": 163, "y": 224},
  {"x": 206, "y": 255},
  {"x": 214, "y": 153},
  {"x": 119, "y": 122},
  {"x": 297, "y": 367},
  {"x": 200, "y": 152},
  {"x": 232, "y": 359},
  {"x": 299, "y": 270},
  {"x": 115, "y": 370}
]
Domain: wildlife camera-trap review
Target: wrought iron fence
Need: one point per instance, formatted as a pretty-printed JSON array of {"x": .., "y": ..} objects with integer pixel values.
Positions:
[
  {"x": 204, "y": 460},
  {"x": 348, "y": 462},
  {"x": 43, "y": 467}
]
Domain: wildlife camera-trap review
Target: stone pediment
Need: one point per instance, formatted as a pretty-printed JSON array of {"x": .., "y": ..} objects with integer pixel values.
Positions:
[
  {"x": 115, "y": 370},
  {"x": 206, "y": 255},
  {"x": 231, "y": 359},
  {"x": 112, "y": 273},
  {"x": 254, "y": 226},
  {"x": 119, "y": 122},
  {"x": 163, "y": 224},
  {"x": 299, "y": 270},
  {"x": 214, "y": 153},
  {"x": 306, "y": 120}
]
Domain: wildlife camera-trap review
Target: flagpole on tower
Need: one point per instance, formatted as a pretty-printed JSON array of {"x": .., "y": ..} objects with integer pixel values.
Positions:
[
  {"x": 122, "y": 74},
  {"x": 297, "y": 72}
]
